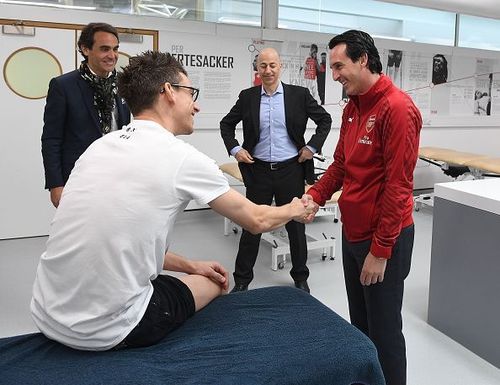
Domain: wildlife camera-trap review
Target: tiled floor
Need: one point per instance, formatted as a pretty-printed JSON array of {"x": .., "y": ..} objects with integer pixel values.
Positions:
[{"x": 433, "y": 358}]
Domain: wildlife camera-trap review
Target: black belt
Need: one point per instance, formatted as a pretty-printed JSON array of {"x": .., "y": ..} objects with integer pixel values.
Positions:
[{"x": 276, "y": 165}]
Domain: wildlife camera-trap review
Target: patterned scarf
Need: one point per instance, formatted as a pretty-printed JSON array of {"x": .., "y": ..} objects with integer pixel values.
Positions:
[{"x": 104, "y": 95}]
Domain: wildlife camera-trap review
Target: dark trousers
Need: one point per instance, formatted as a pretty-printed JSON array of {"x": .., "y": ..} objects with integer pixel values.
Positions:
[
  {"x": 376, "y": 309},
  {"x": 262, "y": 185}
]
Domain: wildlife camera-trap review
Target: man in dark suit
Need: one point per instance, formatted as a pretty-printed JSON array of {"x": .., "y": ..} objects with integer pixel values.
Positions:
[
  {"x": 274, "y": 159},
  {"x": 82, "y": 106}
]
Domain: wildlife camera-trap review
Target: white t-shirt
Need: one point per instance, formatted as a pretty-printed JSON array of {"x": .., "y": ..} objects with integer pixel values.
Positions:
[{"x": 111, "y": 231}]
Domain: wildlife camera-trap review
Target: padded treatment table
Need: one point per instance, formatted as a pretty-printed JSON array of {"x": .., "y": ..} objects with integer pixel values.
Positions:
[
  {"x": 486, "y": 164},
  {"x": 455, "y": 164},
  {"x": 447, "y": 155},
  {"x": 477, "y": 164},
  {"x": 274, "y": 335}
]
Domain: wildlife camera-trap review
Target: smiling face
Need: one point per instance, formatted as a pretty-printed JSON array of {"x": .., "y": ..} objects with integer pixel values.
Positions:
[
  {"x": 103, "y": 55},
  {"x": 186, "y": 107},
  {"x": 352, "y": 75},
  {"x": 269, "y": 68}
]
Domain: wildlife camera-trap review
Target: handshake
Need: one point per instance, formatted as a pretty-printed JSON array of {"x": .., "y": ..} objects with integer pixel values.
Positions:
[{"x": 304, "y": 209}]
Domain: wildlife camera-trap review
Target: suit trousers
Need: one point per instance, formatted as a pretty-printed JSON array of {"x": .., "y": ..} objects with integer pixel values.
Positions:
[
  {"x": 263, "y": 184},
  {"x": 376, "y": 309}
]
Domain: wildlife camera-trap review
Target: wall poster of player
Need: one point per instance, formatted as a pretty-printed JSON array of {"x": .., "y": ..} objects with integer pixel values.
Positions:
[
  {"x": 439, "y": 69},
  {"x": 304, "y": 64},
  {"x": 482, "y": 95},
  {"x": 393, "y": 67},
  {"x": 313, "y": 72},
  {"x": 439, "y": 82}
]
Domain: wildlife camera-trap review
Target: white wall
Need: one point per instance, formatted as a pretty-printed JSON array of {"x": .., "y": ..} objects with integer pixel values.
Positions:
[{"x": 483, "y": 139}]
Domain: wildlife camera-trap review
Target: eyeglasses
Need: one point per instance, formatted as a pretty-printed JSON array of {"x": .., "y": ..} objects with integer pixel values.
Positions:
[{"x": 194, "y": 91}]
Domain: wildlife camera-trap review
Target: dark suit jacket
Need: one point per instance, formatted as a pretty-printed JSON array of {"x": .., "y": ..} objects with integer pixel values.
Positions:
[
  {"x": 299, "y": 107},
  {"x": 71, "y": 124}
]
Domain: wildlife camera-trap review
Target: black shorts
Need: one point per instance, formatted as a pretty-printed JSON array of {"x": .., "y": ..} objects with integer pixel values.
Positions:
[{"x": 171, "y": 304}]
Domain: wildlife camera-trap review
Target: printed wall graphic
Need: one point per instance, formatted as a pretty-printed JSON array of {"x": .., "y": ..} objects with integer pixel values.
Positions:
[
  {"x": 306, "y": 65},
  {"x": 322, "y": 70},
  {"x": 256, "y": 80},
  {"x": 483, "y": 86},
  {"x": 446, "y": 85},
  {"x": 28, "y": 70},
  {"x": 417, "y": 79},
  {"x": 441, "y": 91},
  {"x": 441, "y": 84},
  {"x": 310, "y": 72},
  {"x": 495, "y": 94},
  {"x": 461, "y": 85},
  {"x": 215, "y": 66},
  {"x": 393, "y": 66},
  {"x": 439, "y": 69}
]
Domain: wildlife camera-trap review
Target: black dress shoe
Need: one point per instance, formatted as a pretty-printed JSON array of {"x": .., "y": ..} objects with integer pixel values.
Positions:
[
  {"x": 302, "y": 285},
  {"x": 239, "y": 287}
]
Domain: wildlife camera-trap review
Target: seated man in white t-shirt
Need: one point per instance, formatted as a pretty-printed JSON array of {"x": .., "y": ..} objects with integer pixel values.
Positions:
[{"x": 98, "y": 284}]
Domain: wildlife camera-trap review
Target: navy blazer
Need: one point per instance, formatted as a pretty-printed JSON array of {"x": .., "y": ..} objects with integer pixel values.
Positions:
[
  {"x": 71, "y": 124},
  {"x": 299, "y": 107}
]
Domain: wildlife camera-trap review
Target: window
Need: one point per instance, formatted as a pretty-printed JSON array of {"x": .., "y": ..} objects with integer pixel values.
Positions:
[
  {"x": 479, "y": 32},
  {"x": 242, "y": 12},
  {"x": 380, "y": 19}
]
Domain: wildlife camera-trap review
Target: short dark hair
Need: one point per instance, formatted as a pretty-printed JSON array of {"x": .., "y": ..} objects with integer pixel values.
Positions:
[
  {"x": 87, "y": 36},
  {"x": 357, "y": 44},
  {"x": 141, "y": 80}
]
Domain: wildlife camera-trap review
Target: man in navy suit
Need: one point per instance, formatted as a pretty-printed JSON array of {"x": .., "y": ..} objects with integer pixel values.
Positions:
[
  {"x": 82, "y": 106},
  {"x": 274, "y": 158}
]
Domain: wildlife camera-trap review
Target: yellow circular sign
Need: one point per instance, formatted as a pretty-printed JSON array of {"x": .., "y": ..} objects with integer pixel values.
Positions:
[{"x": 28, "y": 71}]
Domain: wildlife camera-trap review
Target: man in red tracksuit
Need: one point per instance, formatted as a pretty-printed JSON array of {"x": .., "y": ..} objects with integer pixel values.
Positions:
[{"x": 373, "y": 164}]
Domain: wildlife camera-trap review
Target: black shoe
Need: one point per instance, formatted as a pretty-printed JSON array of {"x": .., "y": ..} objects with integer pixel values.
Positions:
[
  {"x": 302, "y": 285},
  {"x": 239, "y": 287}
]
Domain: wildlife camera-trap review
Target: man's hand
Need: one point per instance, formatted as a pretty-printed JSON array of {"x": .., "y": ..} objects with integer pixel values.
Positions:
[
  {"x": 305, "y": 154},
  {"x": 311, "y": 206},
  {"x": 303, "y": 209},
  {"x": 55, "y": 195},
  {"x": 213, "y": 270},
  {"x": 244, "y": 156},
  {"x": 373, "y": 270}
]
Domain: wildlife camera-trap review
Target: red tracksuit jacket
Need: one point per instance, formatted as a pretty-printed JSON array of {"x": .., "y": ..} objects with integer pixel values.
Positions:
[{"x": 373, "y": 164}]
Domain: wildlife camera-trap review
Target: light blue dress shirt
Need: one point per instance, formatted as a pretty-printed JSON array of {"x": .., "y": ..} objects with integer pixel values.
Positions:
[{"x": 274, "y": 143}]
